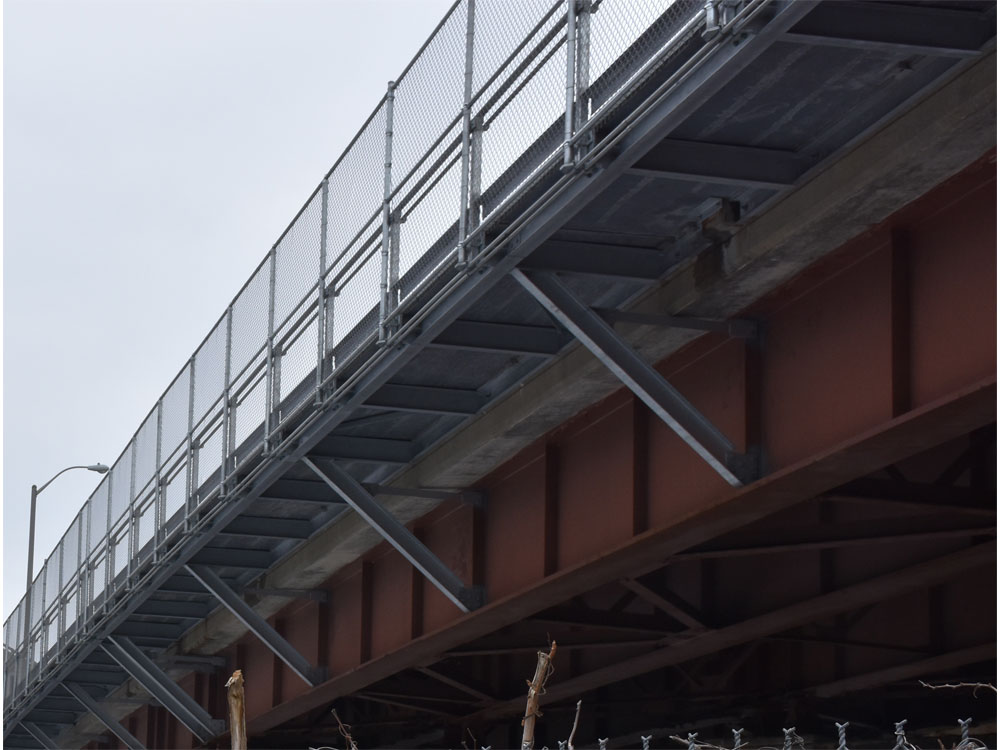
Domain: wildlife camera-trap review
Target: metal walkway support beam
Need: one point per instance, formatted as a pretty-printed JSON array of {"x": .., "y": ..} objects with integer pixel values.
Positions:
[
  {"x": 665, "y": 400},
  {"x": 465, "y": 597},
  {"x": 169, "y": 694},
  {"x": 257, "y": 625},
  {"x": 115, "y": 727},
  {"x": 40, "y": 737}
]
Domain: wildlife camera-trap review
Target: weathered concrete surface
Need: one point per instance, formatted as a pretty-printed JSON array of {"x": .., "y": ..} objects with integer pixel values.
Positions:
[{"x": 936, "y": 139}]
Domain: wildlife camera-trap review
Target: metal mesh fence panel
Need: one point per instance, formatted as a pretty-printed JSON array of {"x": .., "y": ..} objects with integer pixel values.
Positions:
[
  {"x": 145, "y": 528},
  {"x": 249, "y": 332},
  {"x": 37, "y": 599},
  {"x": 145, "y": 453},
  {"x": 522, "y": 130},
  {"x": 175, "y": 413},
  {"x": 71, "y": 609},
  {"x": 298, "y": 363},
  {"x": 625, "y": 34},
  {"x": 499, "y": 33},
  {"x": 98, "y": 574},
  {"x": 247, "y": 416},
  {"x": 121, "y": 484},
  {"x": 357, "y": 299},
  {"x": 52, "y": 578},
  {"x": 71, "y": 550},
  {"x": 296, "y": 260},
  {"x": 209, "y": 460},
  {"x": 119, "y": 553},
  {"x": 429, "y": 96},
  {"x": 175, "y": 496},
  {"x": 430, "y": 229},
  {"x": 209, "y": 371},
  {"x": 354, "y": 224},
  {"x": 51, "y": 633},
  {"x": 97, "y": 523}
]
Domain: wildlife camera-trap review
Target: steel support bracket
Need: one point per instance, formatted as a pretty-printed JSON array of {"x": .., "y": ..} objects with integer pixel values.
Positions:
[
  {"x": 475, "y": 498},
  {"x": 741, "y": 328},
  {"x": 257, "y": 625},
  {"x": 464, "y": 597},
  {"x": 114, "y": 726},
  {"x": 164, "y": 690},
  {"x": 642, "y": 378}
]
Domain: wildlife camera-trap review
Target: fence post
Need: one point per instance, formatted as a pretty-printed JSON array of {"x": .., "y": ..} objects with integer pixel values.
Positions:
[
  {"x": 226, "y": 427},
  {"x": 570, "y": 84},
  {"x": 321, "y": 303},
  {"x": 463, "y": 216},
  {"x": 159, "y": 518},
  {"x": 582, "y": 113},
  {"x": 383, "y": 310},
  {"x": 192, "y": 450},
  {"x": 269, "y": 356}
]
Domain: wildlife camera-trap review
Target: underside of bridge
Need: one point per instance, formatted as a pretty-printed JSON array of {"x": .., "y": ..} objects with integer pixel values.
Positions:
[{"x": 719, "y": 420}]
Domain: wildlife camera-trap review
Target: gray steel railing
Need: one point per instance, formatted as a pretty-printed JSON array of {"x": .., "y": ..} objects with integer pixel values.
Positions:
[{"x": 474, "y": 120}]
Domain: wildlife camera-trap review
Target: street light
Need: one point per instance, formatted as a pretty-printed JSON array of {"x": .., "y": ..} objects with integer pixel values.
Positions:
[{"x": 35, "y": 492}]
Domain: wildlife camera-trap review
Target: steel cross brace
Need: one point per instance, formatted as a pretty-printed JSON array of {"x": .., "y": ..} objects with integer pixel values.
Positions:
[
  {"x": 257, "y": 625},
  {"x": 40, "y": 737},
  {"x": 115, "y": 727},
  {"x": 465, "y": 597},
  {"x": 659, "y": 395},
  {"x": 169, "y": 694}
]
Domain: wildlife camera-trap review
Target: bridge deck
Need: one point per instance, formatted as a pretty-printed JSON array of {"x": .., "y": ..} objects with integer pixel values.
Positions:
[{"x": 689, "y": 137}]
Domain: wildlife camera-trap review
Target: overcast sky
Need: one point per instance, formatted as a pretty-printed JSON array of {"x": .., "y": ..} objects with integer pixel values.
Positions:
[{"x": 153, "y": 151}]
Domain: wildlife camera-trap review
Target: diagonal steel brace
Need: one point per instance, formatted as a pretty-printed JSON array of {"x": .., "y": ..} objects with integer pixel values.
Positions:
[
  {"x": 659, "y": 395},
  {"x": 465, "y": 597}
]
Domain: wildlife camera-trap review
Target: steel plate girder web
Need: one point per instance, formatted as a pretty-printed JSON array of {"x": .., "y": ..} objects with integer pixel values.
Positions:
[
  {"x": 665, "y": 400},
  {"x": 465, "y": 597},
  {"x": 162, "y": 688},
  {"x": 115, "y": 727},
  {"x": 40, "y": 737},
  {"x": 257, "y": 625}
]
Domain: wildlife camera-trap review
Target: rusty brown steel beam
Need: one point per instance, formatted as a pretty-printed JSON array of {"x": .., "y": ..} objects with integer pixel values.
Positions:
[
  {"x": 932, "y": 424},
  {"x": 459, "y": 685},
  {"x": 908, "y": 671},
  {"x": 917, "y": 576}
]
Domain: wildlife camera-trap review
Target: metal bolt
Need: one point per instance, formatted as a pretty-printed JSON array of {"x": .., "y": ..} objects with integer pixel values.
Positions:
[{"x": 842, "y": 734}]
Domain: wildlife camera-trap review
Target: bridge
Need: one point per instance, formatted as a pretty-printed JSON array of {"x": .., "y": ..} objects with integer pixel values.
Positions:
[{"x": 666, "y": 330}]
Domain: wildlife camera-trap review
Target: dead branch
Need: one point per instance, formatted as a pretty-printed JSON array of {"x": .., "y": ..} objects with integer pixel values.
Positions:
[
  {"x": 543, "y": 670},
  {"x": 576, "y": 720},
  {"x": 957, "y": 685},
  {"x": 237, "y": 711},
  {"x": 345, "y": 731}
]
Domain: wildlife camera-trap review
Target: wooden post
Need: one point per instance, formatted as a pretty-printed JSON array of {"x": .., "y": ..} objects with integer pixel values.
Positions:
[
  {"x": 237, "y": 711},
  {"x": 535, "y": 688}
]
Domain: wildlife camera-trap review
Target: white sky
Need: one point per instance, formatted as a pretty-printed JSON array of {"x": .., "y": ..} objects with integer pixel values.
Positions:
[{"x": 153, "y": 151}]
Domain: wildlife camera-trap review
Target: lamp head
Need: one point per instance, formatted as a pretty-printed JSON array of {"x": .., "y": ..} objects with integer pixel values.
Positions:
[{"x": 99, "y": 468}]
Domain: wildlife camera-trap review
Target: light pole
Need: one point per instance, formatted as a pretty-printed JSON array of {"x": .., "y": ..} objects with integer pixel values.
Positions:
[{"x": 35, "y": 492}]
